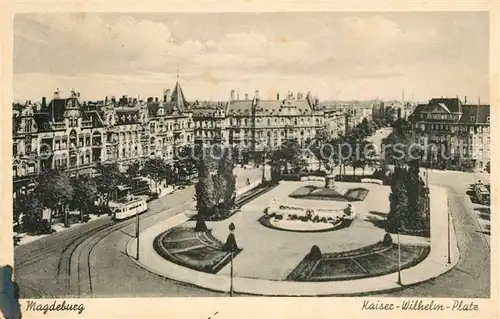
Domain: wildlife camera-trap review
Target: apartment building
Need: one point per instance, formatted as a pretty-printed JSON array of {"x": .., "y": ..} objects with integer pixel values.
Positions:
[
  {"x": 62, "y": 134},
  {"x": 74, "y": 136},
  {"x": 210, "y": 125},
  {"x": 257, "y": 124},
  {"x": 457, "y": 131},
  {"x": 170, "y": 123}
]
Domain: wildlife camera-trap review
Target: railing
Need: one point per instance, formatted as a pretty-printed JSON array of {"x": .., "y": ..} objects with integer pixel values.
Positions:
[{"x": 59, "y": 126}]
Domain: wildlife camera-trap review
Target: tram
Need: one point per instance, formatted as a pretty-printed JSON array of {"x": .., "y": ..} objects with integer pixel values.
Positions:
[{"x": 129, "y": 208}]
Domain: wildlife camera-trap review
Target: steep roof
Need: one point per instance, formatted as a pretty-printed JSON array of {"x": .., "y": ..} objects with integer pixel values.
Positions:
[
  {"x": 178, "y": 98},
  {"x": 96, "y": 118},
  {"x": 42, "y": 121},
  {"x": 453, "y": 105},
  {"x": 272, "y": 107},
  {"x": 57, "y": 108},
  {"x": 475, "y": 114},
  {"x": 204, "y": 112}
]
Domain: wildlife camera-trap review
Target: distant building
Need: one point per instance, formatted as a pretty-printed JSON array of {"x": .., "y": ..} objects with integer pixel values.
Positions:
[
  {"x": 170, "y": 124},
  {"x": 255, "y": 124},
  {"x": 210, "y": 123},
  {"x": 62, "y": 135},
  {"x": 460, "y": 131}
]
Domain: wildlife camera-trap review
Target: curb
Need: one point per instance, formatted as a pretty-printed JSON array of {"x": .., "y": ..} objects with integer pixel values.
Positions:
[{"x": 221, "y": 283}]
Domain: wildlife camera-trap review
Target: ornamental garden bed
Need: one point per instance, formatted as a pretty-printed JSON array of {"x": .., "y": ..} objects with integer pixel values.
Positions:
[
  {"x": 319, "y": 193},
  {"x": 307, "y": 227},
  {"x": 200, "y": 252},
  {"x": 371, "y": 261}
]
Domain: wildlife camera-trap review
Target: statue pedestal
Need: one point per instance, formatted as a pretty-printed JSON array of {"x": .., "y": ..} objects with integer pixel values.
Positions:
[{"x": 329, "y": 181}]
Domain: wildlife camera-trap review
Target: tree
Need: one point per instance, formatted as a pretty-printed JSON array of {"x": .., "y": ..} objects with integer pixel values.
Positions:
[
  {"x": 169, "y": 174},
  {"x": 108, "y": 177},
  {"x": 291, "y": 153},
  {"x": 227, "y": 181},
  {"x": 188, "y": 158},
  {"x": 32, "y": 213},
  {"x": 134, "y": 169},
  {"x": 55, "y": 192},
  {"x": 398, "y": 199},
  {"x": 204, "y": 191},
  {"x": 84, "y": 194},
  {"x": 216, "y": 187},
  {"x": 364, "y": 155},
  {"x": 156, "y": 169}
]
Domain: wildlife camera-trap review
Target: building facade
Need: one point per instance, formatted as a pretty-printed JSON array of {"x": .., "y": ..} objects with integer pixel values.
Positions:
[
  {"x": 257, "y": 124},
  {"x": 73, "y": 136},
  {"x": 455, "y": 131},
  {"x": 170, "y": 124}
]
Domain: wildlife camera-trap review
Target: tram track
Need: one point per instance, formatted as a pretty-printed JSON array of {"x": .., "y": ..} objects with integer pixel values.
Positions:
[{"x": 79, "y": 282}]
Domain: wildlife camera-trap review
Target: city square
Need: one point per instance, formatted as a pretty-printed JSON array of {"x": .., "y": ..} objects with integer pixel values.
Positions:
[{"x": 272, "y": 181}]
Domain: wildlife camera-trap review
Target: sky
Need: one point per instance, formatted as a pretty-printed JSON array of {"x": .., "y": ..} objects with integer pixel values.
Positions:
[{"x": 349, "y": 56}]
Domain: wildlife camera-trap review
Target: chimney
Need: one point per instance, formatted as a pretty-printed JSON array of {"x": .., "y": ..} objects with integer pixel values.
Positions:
[
  {"x": 465, "y": 99},
  {"x": 44, "y": 102},
  {"x": 156, "y": 99},
  {"x": 56, "y": 94},
  {"x": 278, "y": 96},
  {"x": 106, "y": 100},
  {"x": 257, "y": 94},
  {"x": 246, "y": 96},
  {"x": 232, "y": 95},
  {"x": 166, "y": 95},
  {"x": 113, "y": 100},
  {"x": 238, "y": 96}
]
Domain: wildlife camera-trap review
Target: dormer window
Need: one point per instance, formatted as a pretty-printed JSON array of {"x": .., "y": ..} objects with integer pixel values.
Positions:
[{"x": 472, "y": 118}]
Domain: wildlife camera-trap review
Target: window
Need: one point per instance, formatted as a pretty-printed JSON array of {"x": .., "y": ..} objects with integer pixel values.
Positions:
[{"x": 488, "y": 119}]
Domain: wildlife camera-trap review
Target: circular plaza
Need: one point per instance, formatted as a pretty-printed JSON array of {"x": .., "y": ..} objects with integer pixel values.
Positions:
[{"x": 347, "y": 255}]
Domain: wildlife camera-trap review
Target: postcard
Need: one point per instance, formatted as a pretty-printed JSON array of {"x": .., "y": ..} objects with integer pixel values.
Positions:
[{"x": 220, "y": 160}]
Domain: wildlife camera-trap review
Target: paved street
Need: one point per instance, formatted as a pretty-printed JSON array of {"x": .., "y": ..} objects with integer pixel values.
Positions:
[
  {"x": 100, "y": 247},
  {"x": 471, "y": 277}
]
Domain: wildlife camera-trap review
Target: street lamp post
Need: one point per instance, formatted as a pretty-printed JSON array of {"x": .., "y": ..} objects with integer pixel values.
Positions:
[
  {"x": 449, "y": 230},
  {"x": 231, "y": 284},
  {"x": 137, "y": 234},
  {"x": 399, "y": 260},
  {"x": 231, "y": 246},
  {"x": 264, "y": 165}
]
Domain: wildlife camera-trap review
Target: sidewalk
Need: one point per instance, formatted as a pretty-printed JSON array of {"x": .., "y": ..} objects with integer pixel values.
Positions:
[{"x": 434, "y": 265}]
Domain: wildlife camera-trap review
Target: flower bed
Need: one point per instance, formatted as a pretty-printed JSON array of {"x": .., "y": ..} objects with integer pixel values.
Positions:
[
  {"x": 303, "y": 224},
  {"x": 319, "y": 193},
  {"x": 370, "y": 261},
  {"x": 201, "y": 252}
]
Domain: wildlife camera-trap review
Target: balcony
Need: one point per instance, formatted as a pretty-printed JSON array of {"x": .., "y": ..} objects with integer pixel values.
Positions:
[
  {"x": 59, "y": 126},
  {"x": 87, "y": 124}
]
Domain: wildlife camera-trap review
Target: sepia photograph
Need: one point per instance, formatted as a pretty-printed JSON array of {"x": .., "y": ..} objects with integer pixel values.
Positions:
[{"x": 272, "y": 154}]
